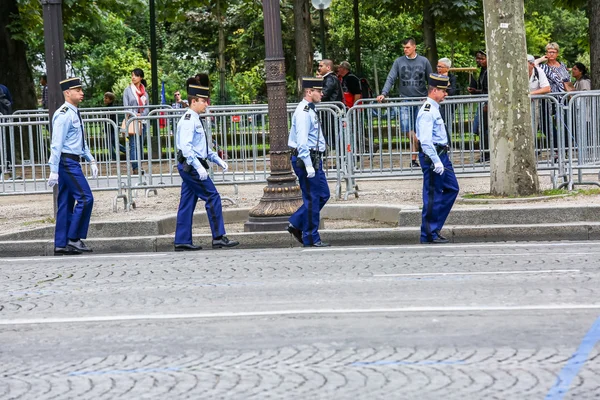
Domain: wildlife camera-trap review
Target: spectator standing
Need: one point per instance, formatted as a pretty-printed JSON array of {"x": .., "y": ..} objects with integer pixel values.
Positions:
[
  {"x": 44, "y": 84},
  {"x": 332, "y": 89},
  {"x": 412, "y": 72},
  {"x": 351, "y": 90},
  {"x": 480, "y": 86},
  {"x": 109, "y": 101},
  {"x": 136, "y": 98},
  {"x": 75, "y": 200},
  {"x": 559, "y": 78},
  {"x": 178, "y": 102},
  {"x": 447, "y": 111},
  {"x": 582, "y": 79},
  {"x": 6, "y": 105},
  {"x": 538, "y": 82}
]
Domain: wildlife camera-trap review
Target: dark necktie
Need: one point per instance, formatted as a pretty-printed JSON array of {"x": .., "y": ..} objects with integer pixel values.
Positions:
[
  {"x": 205, "y": 134},
  {"x": 314, "y": 108},
  {"x": 82, "y": 134}
]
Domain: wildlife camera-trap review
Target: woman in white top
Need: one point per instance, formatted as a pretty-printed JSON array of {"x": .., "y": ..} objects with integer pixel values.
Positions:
[{"x": 135, "y": 96}]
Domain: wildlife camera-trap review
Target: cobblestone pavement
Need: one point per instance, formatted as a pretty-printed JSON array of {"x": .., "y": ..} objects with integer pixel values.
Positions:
[{"x": 502, "y": 321}]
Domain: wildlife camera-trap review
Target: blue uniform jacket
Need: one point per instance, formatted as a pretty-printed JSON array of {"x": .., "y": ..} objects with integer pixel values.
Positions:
[
  {"x": 431, "y": 129},
  {"x": 67, "y": 136},
  {"x": 306, "y": 133},
  {"x": 193, "y": 140}
]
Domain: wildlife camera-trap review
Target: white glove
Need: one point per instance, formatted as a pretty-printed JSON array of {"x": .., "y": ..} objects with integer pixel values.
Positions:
[
  {"x": 202, "y": 172},
  {"x": 53, "y": 179},
  {"x": 94, "y": 168},
  {"x": 438, "y": 168},
  {"x": 223, "y": 165},
  {"x": 310, "y": 172}
]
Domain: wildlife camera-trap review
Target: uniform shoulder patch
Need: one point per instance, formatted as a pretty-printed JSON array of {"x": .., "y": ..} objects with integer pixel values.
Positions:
[
  {"x": 187, "y": 117},
  {"x": 306, "y": 108},
  {"x": 427, "y": 107},
  {"x": 64, "y": 109}
]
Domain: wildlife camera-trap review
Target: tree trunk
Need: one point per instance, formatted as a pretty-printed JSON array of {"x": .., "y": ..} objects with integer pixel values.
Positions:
[
  {"x": 222, "y": 93},
  {"x": 429, "y": 34},
  {"x": 15, "y": 72},
  {"x": 358, "y": 66},
  {"x": 303, "y": 38},
  {"x": 594, "y": 17},
  {"x": 513, "y": 168}
]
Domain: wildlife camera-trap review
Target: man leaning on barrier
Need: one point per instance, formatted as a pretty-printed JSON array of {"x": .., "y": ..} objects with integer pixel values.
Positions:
[
  {"x": 193, "y": 152},
  {"x": 308, "y": 147},
  {"x": 75, "y": 200},
  {"x": 440, "y": 186}
]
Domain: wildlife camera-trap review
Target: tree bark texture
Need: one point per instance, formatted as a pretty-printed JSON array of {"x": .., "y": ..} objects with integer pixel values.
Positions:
[
  {"x": 431, "y": 52},
  {"x": 303, "y": 38},
  {"x": 594, "y": 17},
  {"x": 513, "y": 168},
  {"x": 222, "y": 92},
  {"x": 15, "y": 72},
  {"x": 355, "y": 12}
]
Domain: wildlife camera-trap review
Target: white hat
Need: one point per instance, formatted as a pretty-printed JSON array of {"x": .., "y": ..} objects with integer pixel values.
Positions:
[{"x": 530, "y": 58}]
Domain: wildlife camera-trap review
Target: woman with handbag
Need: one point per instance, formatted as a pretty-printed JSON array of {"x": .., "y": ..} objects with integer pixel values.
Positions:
[{"x": 135, "y": 96}]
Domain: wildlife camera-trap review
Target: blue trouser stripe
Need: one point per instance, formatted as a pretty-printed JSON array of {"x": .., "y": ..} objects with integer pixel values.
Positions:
[
  {"x": 439, "y": 194},
  {"x": 315, "y": 193},
  {"x": 193, "y": 188},
  {"x": 74, "y": 203}
]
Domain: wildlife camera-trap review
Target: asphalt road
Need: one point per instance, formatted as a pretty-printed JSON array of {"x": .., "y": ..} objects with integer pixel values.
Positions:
[{"x": 498, "y": 321}]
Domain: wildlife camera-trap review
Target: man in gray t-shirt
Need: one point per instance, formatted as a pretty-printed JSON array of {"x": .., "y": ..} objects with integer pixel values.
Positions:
[{"x": 412, "y": 71}]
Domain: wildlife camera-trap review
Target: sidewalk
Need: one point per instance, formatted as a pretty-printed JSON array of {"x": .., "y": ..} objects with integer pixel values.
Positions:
[{"x": 150, "y": 226}]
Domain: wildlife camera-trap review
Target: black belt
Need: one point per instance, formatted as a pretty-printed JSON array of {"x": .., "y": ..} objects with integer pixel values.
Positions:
[
  {"x": 183, "y": 160},
  {"x": 439, "y": 148},
  {"x": 73, "y": 157},
  {"x": 311, "y": 152}
]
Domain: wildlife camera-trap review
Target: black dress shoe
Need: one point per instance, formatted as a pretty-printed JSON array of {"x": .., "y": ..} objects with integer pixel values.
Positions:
[
  {"x": 79, "y": 245},
  {"x": 223, "y": 242},
  {"x": 415, "y": 164},
  {"x": 438, "y": 240},
  {"x": 187, "y": 247},
  {"x": 296, "y": 233},
  {"x": 66, "y": 251},
  {"x": 440, "y": 235},
  {"x": 318, "y": 244}
]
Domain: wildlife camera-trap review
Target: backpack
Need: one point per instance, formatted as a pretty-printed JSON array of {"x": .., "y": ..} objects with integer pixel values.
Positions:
[{"x": 367, "y": 92}]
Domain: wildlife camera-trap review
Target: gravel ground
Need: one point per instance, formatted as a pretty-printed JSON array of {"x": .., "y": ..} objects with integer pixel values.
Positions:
[{"x": 18, "y": 213}]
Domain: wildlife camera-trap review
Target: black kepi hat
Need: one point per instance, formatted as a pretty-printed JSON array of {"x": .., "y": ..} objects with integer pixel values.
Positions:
[
  {"x": 198, "y": 91},
  {"x": 439, "y": 81},
  {"x": 71, "y": 83},
  {"x": 312, "y": 83}
]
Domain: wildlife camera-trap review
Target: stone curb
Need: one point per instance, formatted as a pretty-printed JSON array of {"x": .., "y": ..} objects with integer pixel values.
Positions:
[{"x": 340, "y": 237}]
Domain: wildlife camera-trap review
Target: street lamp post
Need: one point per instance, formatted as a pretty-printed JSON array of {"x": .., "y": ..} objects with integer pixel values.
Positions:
[
  {"x": 322, "y": 5},
  {"x": 282, "y": 196}
]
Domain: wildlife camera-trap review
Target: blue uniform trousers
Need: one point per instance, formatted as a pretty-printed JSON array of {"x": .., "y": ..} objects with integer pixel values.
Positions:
[
  {"x": 193, "y": 188},
  {"x": 315, "y": 193},
  {"x": 439, "y": 193},
  {"x": 75, "y": 203}
]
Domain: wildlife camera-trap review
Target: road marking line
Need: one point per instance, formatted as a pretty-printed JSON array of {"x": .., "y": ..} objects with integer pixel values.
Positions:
[
  {"x": 78, "y": 257},
  {"x": 541, "y": 271},
  {"x": 283, "y": 313},
  {"x": 454, "y": 246},
  {"x": 575, "y": 363}
]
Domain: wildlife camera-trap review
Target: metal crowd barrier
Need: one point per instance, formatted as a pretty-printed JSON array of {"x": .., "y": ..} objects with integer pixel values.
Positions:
[{"x": 367, "y": 141}]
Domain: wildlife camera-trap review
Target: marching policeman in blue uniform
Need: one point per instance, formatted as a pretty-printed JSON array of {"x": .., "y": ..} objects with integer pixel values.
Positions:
[
  {"x": 440, "y": 186},
  {"x": 193, "y": 153},
  {"x": 308, "y": 147},
  {"x": 75, "y": 200}
]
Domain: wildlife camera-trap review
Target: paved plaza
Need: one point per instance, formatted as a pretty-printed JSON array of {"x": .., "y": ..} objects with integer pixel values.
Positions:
[{"x": 480, "y": 321}]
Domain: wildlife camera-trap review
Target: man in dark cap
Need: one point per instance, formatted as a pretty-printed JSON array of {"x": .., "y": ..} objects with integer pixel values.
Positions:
[
  {"x": 308, "y": 146},
  {"x": 75, "y": 200},
  {"x": 193, "y": 153},
  {"x": 440, "y": 186}
]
